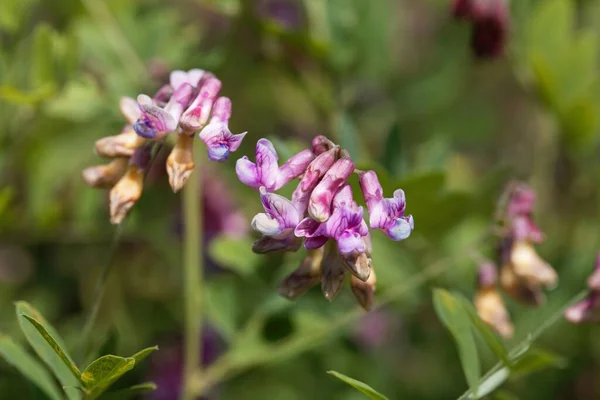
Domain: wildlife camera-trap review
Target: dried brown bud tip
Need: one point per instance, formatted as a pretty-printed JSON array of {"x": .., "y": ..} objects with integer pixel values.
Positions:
[
  {"x": 105, "y": 176},
  {"x": 333, "y": 271},
  {"x": 364, "y": 291},
  {"x": 180, "y": 163},
  {"x": 126, "y": 193},
  {"x": 122, "y": 145},
  {"x": 491, "y": 309},
  {"x": 304, "y": 277}
]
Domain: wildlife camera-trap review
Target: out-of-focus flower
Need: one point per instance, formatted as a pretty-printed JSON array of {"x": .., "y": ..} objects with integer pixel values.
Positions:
[
  {"x": 588, "y": 309},
  {"x": 184, "y": 106},
  {"x": 488, "y": 301},
  {"x": 266, "y": 171},
  {"x": 167, "y": 366},
  {"x": 322, "y": 211},
  {"x": 386, "y": 214},
  {"x": 287, "y": 13},
  {"x": 490, "y": 21}
]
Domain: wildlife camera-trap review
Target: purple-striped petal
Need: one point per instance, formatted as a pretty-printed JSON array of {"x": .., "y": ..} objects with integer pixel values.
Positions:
[
  {"x": 279, "y": 208},
  {"x": 350, "y": 241},
  {"x": 319, "y": 206},
  {"x": 247, "y": 173},
  {"x": 294, "y": 167}
]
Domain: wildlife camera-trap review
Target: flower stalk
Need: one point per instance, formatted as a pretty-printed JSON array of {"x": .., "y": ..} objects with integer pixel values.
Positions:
[{"x": 192, "y": 278}]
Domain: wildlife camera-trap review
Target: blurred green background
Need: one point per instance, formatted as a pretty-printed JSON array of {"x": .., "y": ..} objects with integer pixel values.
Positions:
[{"x": 396, "y": 84}]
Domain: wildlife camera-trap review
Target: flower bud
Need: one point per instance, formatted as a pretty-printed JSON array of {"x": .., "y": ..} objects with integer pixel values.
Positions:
[
  {"x": 491, "y": 310},
  {"x": 294, "y": 167},
  {"x": 105, "y": 176},
  {"x": 313, "y": 174},
  {"x": 197, "y": 114},
  {"x": 587, "y": 310},
  {"x": 122, "y": 145},
  {"x": 528, "y": 265},
  {"x": 180, "y": 163},
  {"x": 333, "y": 272},
  {"x": 321, "y": 144},
  {"x": 364, "y": 291},
  {"x": 304, "y": 277},
  {"x": 319, "y": 205},
  {"x": 593, "y": 281}
]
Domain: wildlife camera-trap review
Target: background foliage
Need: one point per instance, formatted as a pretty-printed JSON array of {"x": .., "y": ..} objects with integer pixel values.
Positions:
[{"x": 395, "y": 83}]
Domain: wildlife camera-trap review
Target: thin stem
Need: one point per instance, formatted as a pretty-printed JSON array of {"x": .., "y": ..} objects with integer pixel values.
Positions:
[
  {"x": 99, "y": 294},
  {"x": 192, "y": 277}
]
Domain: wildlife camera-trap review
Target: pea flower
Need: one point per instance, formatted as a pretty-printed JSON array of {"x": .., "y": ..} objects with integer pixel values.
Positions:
[
  {"x": 183, "y": 107},
  {"x": 323, "y": 215},
  {"x": 386, "y": 214},
  {"x": 588, "y": 309}
]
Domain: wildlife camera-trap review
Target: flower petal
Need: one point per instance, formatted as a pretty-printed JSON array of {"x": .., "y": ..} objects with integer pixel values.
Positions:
[
  {"x": 266, "y": 225},
  {"x": 154, "y": 123},
  {"x": 234, "y": 141},
  {"x": 194, "y": 76},
  {"x": 349, "y": 242},
  {"x": 247, "y": 173},
  {"x": 401, "y": 228},
  {"x": 130, "y": 109},
  {"x": 280, "y": 208},
  {"x": 178, "y": 78},
  {"x": 315, "y": 242},
  {"x": 294, "y": 167},
  {"x": 371, "y": 188},
  {"x": 266, "y": 162},
  {"x": 307, "y": 228}
]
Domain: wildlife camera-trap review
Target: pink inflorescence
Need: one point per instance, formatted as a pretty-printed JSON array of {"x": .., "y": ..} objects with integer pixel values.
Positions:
[
  {"x": 323, "y": 214},
  {"x": 187, "y": 106}
]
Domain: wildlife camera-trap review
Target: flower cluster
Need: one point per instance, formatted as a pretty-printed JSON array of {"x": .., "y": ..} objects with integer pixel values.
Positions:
[
  {"x": 187, "y": 105},
  {"x": 489, "y": 24},
  {"x": 523, "y": 273},
  {"x": 323, "y": 212},
  {"x": 588, "y": 310}
]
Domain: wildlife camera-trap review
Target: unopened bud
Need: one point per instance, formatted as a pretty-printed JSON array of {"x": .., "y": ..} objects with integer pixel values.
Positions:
[
  {"x": 321, "y": 144},
  {"x": 314, "y": 172},
  {"x": 319, "y": 205}
]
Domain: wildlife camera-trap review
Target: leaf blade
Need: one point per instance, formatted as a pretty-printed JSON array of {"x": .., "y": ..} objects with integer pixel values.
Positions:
[
  {"x": 103, "y": 372},
  {"x": 27, "y": 365},
  {"x": 360, "y": 386}
]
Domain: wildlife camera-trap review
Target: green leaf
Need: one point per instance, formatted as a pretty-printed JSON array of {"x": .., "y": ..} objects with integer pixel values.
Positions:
[
  {"x": 235, "y": 254},
  {"x": 142, "y": 354},
  {"x": 103, "y": 372},
  {"x": 535, "y": 360},
  {"x": 48, "y": 345},
  {"x": 456, "y": 319},
  {"x": 131, "y": 392},
  {"x": 66, "y": 359},
  {"x": 16, "y": 356},
  {"x": 491, "y": 383},
  {"x": 486, "y": 333},
  {"x": 358, "y": 385}
]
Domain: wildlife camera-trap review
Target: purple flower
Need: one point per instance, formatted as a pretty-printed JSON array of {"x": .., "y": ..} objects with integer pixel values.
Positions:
[
  {"x": 266, "y": 171},
  {"x": 313, "y": 174},
  {"x": 490, "y": 28},
  {"x": 386, "y": 214},
  {"x": 280, "y": 217},
  {"x": 197, "y": 114},
  {"x": 156, "y": 122},
  {"x": 191, "y": 77},
  {"x": 216, "y": 135},
  {"x": 319, "y": 205}
]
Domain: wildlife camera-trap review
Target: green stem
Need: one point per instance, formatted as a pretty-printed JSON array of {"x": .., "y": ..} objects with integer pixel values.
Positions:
[
  {"x": 99, "y": 294},
  {"x": 192, "y": 277}
]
